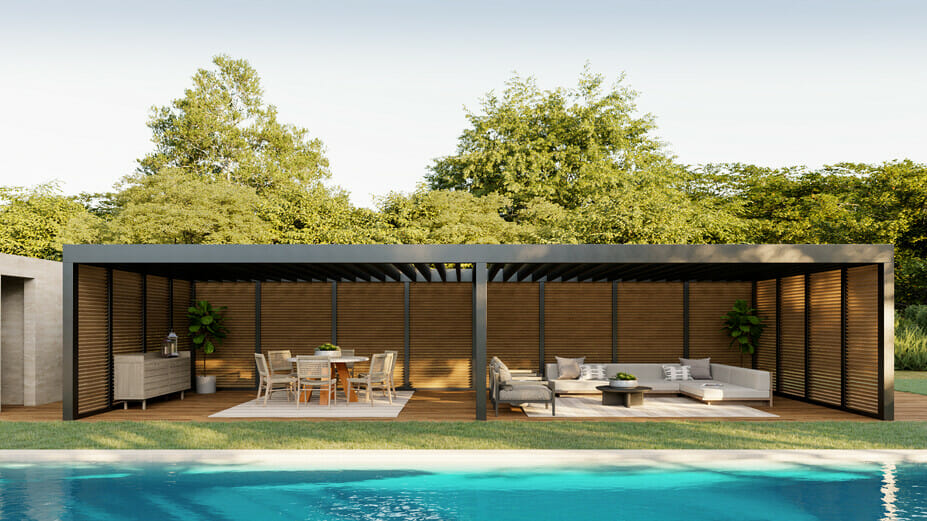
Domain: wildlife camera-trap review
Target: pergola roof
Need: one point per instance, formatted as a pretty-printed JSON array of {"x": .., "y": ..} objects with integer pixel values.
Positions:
[{"x": 451, "y": 262}]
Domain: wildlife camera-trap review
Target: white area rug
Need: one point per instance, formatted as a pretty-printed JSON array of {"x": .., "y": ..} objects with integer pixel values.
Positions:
[
  {"x": 654, "y": 407},
  {"x": 279, "y": 407}
]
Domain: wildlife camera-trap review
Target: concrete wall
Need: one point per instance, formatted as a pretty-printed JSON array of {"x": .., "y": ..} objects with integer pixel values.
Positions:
[{"x": 30, "y": 331}]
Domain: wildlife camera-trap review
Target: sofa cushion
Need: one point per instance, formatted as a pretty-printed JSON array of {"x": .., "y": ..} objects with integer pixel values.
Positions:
[
  {"x": 592, "y": 372},
  {"x": 525, "y": 391},
  {"x": 676, "y": 372},
  {"x": 752, "y": 378},
  {"x": 660, "y": 385},
  {"x": 727, "y": 391},
  {"x": 700, "y": 367},
  {"x": 577, "y": 386},
  {"x": 568, "y": 368}
]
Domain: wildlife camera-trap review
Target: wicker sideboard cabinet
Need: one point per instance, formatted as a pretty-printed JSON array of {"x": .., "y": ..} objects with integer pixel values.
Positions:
[{"x": 140, "y": 376}]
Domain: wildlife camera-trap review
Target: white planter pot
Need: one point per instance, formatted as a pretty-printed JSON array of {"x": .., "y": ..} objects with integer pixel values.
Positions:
[
  {"x": 205, "y": 384},
  {"x": 622, "y": 383},
  {"x": 332, "y": 354}
]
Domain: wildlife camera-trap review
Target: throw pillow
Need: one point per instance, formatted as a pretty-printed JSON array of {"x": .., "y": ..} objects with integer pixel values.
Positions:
[
  {"x": 568, "y": 368},
  {"x": 675, "y": 372},
  {"x": 592, "y": 372},
  {"x": 700, "y": 368},
  {"x": 504, "y": 374}
]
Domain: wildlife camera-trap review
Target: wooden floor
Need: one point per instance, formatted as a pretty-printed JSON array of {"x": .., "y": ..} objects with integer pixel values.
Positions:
[{"x": 435, "y": 406}]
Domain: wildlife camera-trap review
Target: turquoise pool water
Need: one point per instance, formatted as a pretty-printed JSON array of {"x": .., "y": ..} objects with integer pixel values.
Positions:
[{"x": 199, "y": 492}]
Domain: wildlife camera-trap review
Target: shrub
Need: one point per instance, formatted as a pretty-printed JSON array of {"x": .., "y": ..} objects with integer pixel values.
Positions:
[{"x": 911, "y": 339}]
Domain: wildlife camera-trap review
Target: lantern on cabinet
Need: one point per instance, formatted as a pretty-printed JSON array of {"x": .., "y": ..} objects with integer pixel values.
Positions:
[{"x": 169, "y": 345}]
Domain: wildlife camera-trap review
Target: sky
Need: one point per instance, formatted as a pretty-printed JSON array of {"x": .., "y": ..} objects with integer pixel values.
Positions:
[{"x": 384, "y": 84}]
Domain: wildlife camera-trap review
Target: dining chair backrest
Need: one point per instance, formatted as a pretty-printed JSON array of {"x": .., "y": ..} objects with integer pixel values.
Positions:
[
  {"x": 261, "y": 363},
  {"x": 313, "y": 368},
  {"x": 392, "y": 362},
  {"x": 280, "y": 360},
  {"x": 379, "y": 363}
]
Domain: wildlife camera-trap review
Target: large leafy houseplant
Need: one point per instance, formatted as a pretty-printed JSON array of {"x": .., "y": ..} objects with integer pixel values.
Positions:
[
  {"x": 744, "y": 327},
  {"x": 207, "y": 330}
]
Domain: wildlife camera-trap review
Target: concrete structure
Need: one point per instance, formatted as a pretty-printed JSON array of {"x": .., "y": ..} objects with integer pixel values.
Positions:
[{"x": 30, "y": 330}]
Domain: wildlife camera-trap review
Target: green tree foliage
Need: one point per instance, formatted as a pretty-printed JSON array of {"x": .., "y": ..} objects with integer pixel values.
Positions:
[
  {"x": 177, "y": 207},
  {"x": 36, "y": 221},
  {"x": 446, "y": 217},
  {"x": 578, "y": 165},
  {"x": 223, "y": 131}
]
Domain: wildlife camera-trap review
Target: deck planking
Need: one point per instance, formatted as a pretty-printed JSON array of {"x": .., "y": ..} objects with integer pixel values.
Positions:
[{"x": 434, "y": 406}]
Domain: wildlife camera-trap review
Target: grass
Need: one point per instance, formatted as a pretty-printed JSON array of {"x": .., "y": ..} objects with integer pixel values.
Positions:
[
  {"x": 911, "y": 381},
  {"x": 463, "y": 435}
]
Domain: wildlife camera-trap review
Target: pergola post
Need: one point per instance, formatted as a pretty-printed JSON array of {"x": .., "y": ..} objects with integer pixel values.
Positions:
[
  {"x": 887, "y": 328},
  {"x": 480, "y": 318},
  {"x": 69, "y": 344}
]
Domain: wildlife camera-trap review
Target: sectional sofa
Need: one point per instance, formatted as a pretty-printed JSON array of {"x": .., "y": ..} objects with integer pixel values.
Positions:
[{"x": 736, "y": 383}]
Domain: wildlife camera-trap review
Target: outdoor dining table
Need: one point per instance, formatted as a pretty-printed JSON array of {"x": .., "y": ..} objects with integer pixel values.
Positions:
[{"x": 341, "y": 366}]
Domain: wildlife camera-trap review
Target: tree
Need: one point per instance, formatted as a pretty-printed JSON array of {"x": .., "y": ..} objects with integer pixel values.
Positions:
[
  {"x": 177, "y": 207},
  {"x": 222, "y": 130},
  {"x": 578, "y": 165},
  {"x": 446, "y": 217},
  {"x": 36, "y": 221}
]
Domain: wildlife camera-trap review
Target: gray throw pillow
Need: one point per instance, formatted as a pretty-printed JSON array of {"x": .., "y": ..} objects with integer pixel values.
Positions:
[
  {"x": 699, "y": 368},
  {"x": 568, "y": 368}
]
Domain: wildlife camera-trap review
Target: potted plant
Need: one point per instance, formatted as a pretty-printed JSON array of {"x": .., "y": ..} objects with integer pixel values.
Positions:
[
  {"x": 328, "y": 349},
  {"x": 623, "y": 380},
  {"x": 744, "y": 328},
  {"x": 207, "y": 331}
]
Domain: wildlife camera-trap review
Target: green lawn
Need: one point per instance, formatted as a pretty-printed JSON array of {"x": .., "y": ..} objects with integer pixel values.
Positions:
[
  {"x": 911, "y": 381},
  {"x": 463, "y": 435}
]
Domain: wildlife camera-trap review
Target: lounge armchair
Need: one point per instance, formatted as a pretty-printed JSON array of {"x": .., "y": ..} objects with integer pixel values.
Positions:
[{"x": 505, "y": 388}]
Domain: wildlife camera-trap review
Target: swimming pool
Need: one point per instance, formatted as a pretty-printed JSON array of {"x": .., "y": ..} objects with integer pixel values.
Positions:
[{"x": 618, "y": 488}]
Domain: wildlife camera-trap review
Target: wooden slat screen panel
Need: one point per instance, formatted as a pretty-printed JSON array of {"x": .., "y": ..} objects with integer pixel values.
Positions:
[
  {"x": 824, "y": 372},
  {"x": 513, "y": 327},
  {"x": 127, "y": 312},
  {"x": 578, "y": 321},
  {"x": 650, "y": 316},
  {"x": 863, "y": 308},
  {"x": 766, "y": 310},
  {"x": 792, "y": 343},
  {"x": 371, "y": 319},
  {"x": 182, "y": 300},
  {"x": 441, "y": 334},
  {"x": 157, "y": 313},
  {"x": 233, "y": 361},
  {"x": 707, "y": 302},
  {"x": 295, "y": 316},
  {"x": 93, "y": 368}
]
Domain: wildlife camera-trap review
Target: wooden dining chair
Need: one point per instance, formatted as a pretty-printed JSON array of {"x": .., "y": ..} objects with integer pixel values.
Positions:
[
  {"x": 377, "y": 377},
  {"x": 269, "y": 382},
  {"x": 279, "y": 361},
  {"x": 312, "y": 372}
]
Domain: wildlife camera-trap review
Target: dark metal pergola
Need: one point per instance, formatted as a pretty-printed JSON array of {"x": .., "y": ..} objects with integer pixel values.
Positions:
[{"x": 474, "y": 264}]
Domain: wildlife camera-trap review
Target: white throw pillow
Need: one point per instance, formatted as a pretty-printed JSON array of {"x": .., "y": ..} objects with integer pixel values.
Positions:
[
  {"x": 674, "y": 373},
  {"x": 592, "y": 372}
]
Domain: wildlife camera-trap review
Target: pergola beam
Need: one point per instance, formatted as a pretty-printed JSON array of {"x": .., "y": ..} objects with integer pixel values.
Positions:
[
  {"x": 424, "y": 269},
  {"x": 442, "y": 271},
  {"x": 509, "y": 270}
]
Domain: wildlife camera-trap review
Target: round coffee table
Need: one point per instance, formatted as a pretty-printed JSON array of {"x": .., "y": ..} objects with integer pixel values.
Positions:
[{"x": 627, "y": 396}]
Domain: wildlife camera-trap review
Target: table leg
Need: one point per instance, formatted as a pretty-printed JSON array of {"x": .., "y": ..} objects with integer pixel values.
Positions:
[{"x": 343, "y": 376}]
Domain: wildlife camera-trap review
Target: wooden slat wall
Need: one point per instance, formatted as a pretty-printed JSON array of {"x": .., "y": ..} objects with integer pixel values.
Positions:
[
  {"x": 708, "y": 301},
  {"x": 371, "y": 319},
  {"x": 863, "y": 308},
  {"x": 441, "y": 334},
  {"x": 513, "y": 328},
  {"x": 295, "y": 316},
  {"x": 233, "y": 361},
  {"x": 824, "y": 377},
  {"x": 650, "y": 322},
  {"x": 766, "y": 309},
  {"x": 182, "y": 301},
  {"x": 127, "y": 312},
  {"x": 157, "y": 313},
  {"x": 792, "y": 343},
  {"x": 93, "y": 368},
  {"x": 578, "y": 321}
]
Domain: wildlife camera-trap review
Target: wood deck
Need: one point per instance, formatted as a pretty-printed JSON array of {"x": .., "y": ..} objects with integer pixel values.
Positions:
[{"x": 435, "y": 406}]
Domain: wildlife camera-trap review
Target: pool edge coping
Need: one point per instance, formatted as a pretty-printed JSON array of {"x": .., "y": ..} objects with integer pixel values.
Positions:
[{"x": 470, "y": 459}]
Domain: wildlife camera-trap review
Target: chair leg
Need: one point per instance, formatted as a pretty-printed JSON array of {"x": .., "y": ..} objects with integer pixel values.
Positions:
[
  {"x": 260, "y": 384},
  {"x": 267, "y": 393},
  {"x": 389, "y": 393}
]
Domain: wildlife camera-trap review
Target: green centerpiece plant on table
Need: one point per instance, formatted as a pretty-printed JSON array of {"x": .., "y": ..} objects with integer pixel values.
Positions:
[
  {"x": 328, "y": 349},
  {"x": 623, "y": 380}
]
